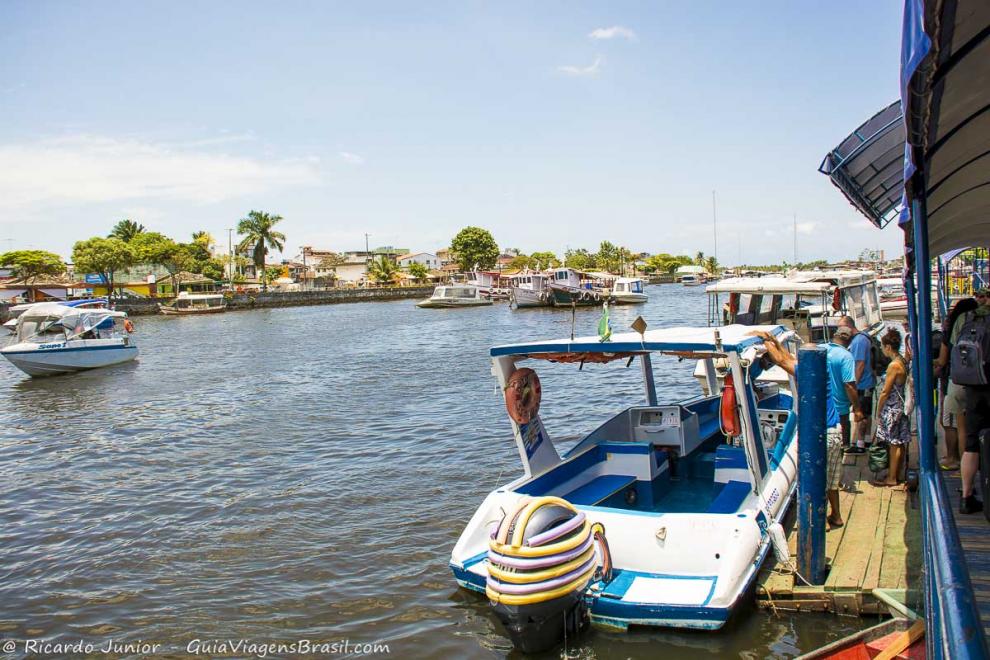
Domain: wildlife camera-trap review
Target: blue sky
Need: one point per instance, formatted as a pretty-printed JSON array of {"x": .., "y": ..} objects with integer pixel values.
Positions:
[{"x": 552, "y": 124}]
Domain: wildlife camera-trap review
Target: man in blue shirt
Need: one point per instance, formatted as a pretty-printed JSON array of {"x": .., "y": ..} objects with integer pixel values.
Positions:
[
  {"x": 860, "y": 347},
  {"x": 842, "y": 380},
  {"x": 840, "y": 363}
]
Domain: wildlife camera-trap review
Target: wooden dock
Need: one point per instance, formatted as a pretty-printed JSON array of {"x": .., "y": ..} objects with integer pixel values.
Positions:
[{"x": 879, "y": 547}]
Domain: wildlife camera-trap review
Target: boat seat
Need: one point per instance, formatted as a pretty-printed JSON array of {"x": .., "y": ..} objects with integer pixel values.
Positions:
[
  {"x": 599, "y": 489},
  {"x": 730, "y": 497}
]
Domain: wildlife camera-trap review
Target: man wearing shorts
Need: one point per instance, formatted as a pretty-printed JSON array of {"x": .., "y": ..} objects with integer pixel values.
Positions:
[
  {"x": 842, "y": 380},
  {"x": 953, "y": 397},
  {"x": 860, "y": 346}
]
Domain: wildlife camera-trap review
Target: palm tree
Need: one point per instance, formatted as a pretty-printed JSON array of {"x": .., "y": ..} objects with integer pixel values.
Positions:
[
  {"x": 383, "y": 270},
  {"x": 126, "y": 230},
  {"x": 204, "y": 238},
  {"x": 699, "y": 259},
  {"x": 259, "y": 235},
  {"x": 711, "y": 265}
]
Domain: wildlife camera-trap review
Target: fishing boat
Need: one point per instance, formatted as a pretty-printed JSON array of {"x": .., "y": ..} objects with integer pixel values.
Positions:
[
  {"x": 574, "y": 288},
  {"x": 56, "y": 339},
  {"x": 808, "y": 302},
  {"x": 893, "y": 299},
  {"x": 893, "y": 638},
  {"x": 195, "y": 303},
  {"x": 455, "y": 295},
  {"x": 629, "y": 291},
  {"x": 693, "y": 280},
  {"x": 17, "y": 310},
  {"x": 489, "y": 284},
  {"x": 661, "y": 516},
  {"x": 530, "y": 290}
]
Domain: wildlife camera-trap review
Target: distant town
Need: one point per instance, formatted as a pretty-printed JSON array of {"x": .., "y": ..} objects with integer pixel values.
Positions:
[{"x": 132, "y": 262}]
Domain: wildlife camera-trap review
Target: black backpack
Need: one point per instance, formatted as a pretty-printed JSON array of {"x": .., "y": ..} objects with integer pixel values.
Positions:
[
  {"x": 970, "y": 357},
  {"x": 878, "y": 360}
]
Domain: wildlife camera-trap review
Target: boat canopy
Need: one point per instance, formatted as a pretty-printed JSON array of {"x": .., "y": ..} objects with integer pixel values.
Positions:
[
  {"x": 707, "y": 341},
  {"x": 868, "y": 166},
  {"x": 778, "y": 285}
]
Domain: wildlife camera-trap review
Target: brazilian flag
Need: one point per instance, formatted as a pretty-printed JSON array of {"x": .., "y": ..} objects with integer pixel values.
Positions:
[{"x": 604, "y": 327}]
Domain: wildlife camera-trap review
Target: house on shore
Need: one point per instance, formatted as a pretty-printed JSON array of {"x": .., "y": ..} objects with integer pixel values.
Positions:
[{"x": 431, "y": 261}]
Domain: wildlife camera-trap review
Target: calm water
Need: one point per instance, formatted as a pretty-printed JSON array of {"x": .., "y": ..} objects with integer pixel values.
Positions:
[{"x": 277, "y": 475}]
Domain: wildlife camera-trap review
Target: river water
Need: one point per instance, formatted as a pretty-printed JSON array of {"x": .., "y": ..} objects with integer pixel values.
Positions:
[{"x": 303, "y": 473}]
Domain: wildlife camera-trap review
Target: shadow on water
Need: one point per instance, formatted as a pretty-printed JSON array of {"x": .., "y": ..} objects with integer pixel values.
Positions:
[{"x": 303, "y": 473}]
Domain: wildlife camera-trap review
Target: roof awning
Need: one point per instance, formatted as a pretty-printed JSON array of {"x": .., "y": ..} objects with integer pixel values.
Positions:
[
  {"x": 945, "y": 76},
  {"x": 868, "y": 166}
]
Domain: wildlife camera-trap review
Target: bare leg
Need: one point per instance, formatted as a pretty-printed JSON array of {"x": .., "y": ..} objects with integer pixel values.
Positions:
[
  {"x": 894, "y": 465},
  {"x": 951, "y": 459},
  {"x": 970, "y": 465},
  {"x": 835, "y": 516}
]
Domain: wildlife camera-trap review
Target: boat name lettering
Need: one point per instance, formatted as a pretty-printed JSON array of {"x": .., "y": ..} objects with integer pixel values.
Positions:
[
  {"x": 774, "y": 496},
  {"x": 56, "y": 345}
]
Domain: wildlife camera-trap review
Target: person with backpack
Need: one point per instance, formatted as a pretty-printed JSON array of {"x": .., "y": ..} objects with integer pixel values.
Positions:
[
  {"x": 952, "y": 397},
  {"x": 861, "y": 347},
  {"x": 969, "y": 366}
]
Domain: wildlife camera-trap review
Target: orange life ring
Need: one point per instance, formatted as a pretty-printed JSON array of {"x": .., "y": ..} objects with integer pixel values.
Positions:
[
  {"x": 729, "y": 411},
  {"x": 128, "y": 326},
  {"x": 836, "y": 299},
  {"x": 522, "y": 395},
  {"x": 733, "y": 304}
]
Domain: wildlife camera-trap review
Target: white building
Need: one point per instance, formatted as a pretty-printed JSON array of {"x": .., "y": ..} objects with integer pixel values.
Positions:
[
  {"x": 431, "y": 261},
  {"x": 352, "y": 271}
]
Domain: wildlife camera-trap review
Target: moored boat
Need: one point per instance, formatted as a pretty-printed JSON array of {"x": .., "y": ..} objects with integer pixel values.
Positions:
[
  {"x": 195, "y": 303},
  {"x": 574, "y": 288},
  {"x": 55, "y": 339},
  {"x": 455, "y": 295},
  {"x": 530, "y": 290},
  {"x": 629, "y": 291},
  {"x": 893, "y": 299},
  {"x": 656, "y": 517}
]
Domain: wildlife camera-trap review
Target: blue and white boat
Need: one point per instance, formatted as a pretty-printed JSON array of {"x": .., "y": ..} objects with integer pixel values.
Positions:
[
  {"x": 52, "y": 338},
  {"x": 17, "y": 310},
  {"x": 686, "y": 507}
]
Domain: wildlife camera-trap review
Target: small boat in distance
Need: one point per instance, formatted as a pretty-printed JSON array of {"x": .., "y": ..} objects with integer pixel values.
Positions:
[
  {"x": 629, "y": 291},
  {"x": 530, "y": 290},
  {"x": 455, "y": 295},
  {"x": 893, "y": 300},
  {"x": 693, "y": 280},
  {"x": 55, "y": 339},
  {"x": 195, "y": 303}
]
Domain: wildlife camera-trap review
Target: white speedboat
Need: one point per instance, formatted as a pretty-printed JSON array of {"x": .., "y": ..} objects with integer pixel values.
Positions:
[
  {"x": 629, "y": 291},
  {"x": 455, "y": 295},
  {"x": 693, "y": 280},
  {"x": 195, "y": 303},
  {"x": 56, "y": 339},
  {"x": 530, "y": 290},
  {"x": 661, "y": 516}
]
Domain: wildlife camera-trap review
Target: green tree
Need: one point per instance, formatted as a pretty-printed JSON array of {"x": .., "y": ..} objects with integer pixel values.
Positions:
[
  {"x": 200, "y": 247},
  {"x": 544, "y": 260},
  {"x": 214, "y": 269},
  {"x": 126, "y": 230},
  {"x": 474, "y": 247},
  {"x": 383, "y": 270},
  {"x": 418, "y": 271},
  {"x": 699, "y": 259},
  {"x": 609, "y": 257},
  {"x": 712, "y": 265},
  {"x": 521, "y": 261},
  {"x": 579, "y": 259},
  {"x": 272, "y": 273},
  {"x": 32, "y": 264},
  {"x": 260, "y": 235},
  {"x": 104, "y": 257},
  {"x": 151, "y": 247}
]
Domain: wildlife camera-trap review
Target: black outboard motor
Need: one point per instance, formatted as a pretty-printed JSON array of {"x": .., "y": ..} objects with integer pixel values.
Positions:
[{"x": 541, "y": 560}]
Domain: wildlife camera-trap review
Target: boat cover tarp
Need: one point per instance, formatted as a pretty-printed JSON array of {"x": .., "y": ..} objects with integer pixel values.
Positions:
[
  {"x": 868, "y": 166},
  {"x": 945, "y": 94}
]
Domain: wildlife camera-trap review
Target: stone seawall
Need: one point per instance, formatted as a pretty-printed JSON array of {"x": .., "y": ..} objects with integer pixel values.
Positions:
[{"x": 143, "y": 306}]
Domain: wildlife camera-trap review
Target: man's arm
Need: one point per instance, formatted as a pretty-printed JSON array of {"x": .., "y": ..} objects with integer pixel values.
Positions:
[
  {"x": 860, "y": 366},
  {"x": 779, "y": 355},
  {"x": 854, "y": 400}
]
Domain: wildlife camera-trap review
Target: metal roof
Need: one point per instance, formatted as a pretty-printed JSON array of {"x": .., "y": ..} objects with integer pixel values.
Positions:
[{"x": 868, "y": 166}]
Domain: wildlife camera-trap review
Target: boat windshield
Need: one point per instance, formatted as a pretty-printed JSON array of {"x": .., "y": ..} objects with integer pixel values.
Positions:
[
  {"x": 457, "y": 292},
  {"x": 40, "y": 329}
]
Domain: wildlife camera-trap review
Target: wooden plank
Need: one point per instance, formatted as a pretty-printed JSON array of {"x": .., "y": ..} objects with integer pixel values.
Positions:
[
  {"x": 871, "y": 579},
  {"x": 833, "y": 537},
  {"x": 902, "y": 641},
  {"x": 893, "y": 568},
  {"x": 853, "y": 556}
]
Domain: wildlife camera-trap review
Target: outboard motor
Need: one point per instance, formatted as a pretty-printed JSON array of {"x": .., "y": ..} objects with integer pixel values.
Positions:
[{"x": 540, "y": 562}]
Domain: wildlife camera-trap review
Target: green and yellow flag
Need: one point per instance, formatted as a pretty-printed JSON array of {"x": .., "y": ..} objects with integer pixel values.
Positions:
[{"x": 604, "y": 327}]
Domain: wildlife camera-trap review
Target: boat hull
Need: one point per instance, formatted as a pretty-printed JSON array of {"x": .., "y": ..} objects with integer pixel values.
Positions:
[
  {"x": 571, "y": 297},
  {"x": 172, "y": 311},
  {"x": 629, "y": 298},
  {"x": 433, "y": 303},
  {"x": 530, "y": 298},
  {"x": 52, "y": 362}
]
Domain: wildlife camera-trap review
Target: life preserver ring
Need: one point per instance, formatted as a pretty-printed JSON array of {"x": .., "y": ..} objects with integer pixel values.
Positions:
[
  {"x": 585, "y": 296},
  {"x": 522, "y": 395},
  {"x": 128, "y": 325},
  {"x": 728, "y": 411},
  {"x": 733, "y": 305},
  {"x": 837, "y": 299}
]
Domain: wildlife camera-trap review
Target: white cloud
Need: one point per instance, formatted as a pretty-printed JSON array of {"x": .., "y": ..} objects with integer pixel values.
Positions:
[
  {"x": 577, "y": 71},
  {"x": 612, "y": 32},
  {"x": 806, "y": 227},
  {"x": 94, "y": 169},
  {"x": 353, "y": 159}
]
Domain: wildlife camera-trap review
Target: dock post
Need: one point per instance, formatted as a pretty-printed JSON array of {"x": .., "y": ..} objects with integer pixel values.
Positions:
[{"x": 812, "y": 456}]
